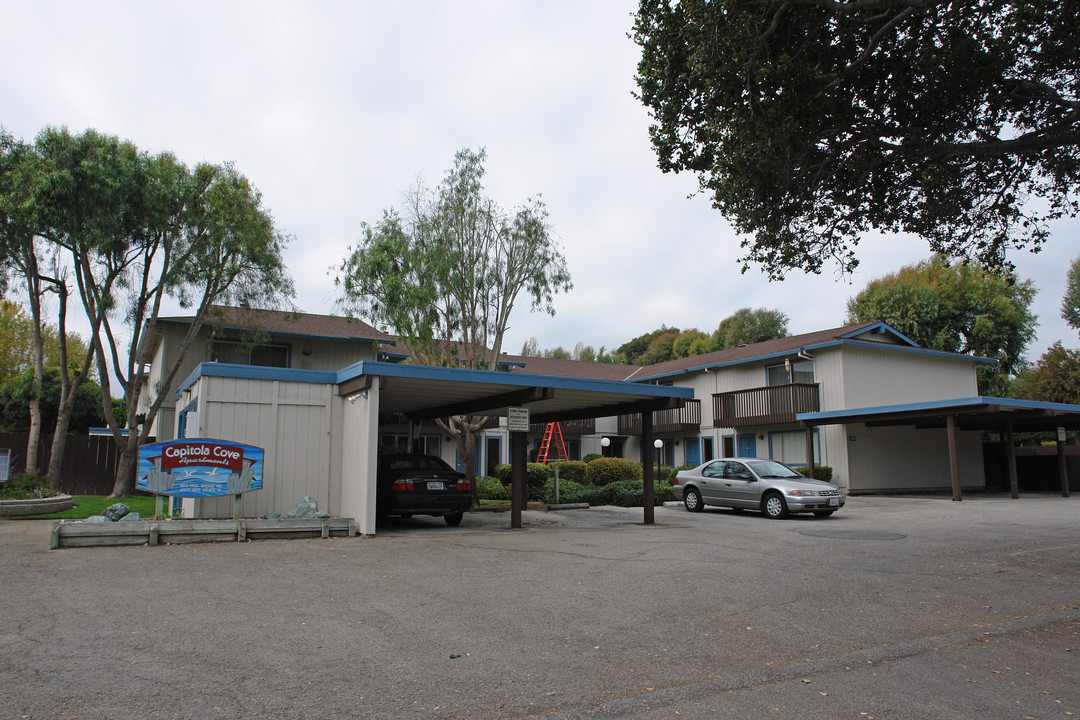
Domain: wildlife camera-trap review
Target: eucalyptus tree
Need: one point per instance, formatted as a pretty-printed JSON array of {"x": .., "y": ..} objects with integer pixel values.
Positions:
[
  {"x": 138, "y": 229},
  {"x": 445, "y": 273},
  {"x": 812, "y": 122}
]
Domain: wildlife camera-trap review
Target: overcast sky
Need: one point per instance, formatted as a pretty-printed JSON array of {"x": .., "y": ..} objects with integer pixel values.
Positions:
[{"x": 333, "y": 109}]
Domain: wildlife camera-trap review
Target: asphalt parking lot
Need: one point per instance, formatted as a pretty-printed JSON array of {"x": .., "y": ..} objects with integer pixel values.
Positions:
[{"x": 893, "y": 608}]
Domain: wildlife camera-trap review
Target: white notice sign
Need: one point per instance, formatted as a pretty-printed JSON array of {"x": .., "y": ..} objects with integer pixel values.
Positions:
[{"x": 517, "y": 419}]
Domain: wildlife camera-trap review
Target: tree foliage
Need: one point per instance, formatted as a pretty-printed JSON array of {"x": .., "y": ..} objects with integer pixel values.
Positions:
[
  {"x": 632, "y": 352},
  {"x": 1070, "y": 304},
  {"x": 16, "y": 342},
  {"x": 15, "y": 394},
  {"x": 811, "y": 122},
  {"x": 958, "y": 308},
  {"x": 446, "y": 271},
  {"x": 747, "y": 326},
  {"x": 1054, "y": 378}
]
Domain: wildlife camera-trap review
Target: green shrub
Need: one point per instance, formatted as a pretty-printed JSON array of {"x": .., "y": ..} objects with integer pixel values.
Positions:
[
  {"x": 627, "y": 493},
  {"x": 491, "y": 489},
  {"x": 605, "y": 471},
  {"x": 589, "y": 457},
  {"x": 535, "y": 476},
  {"x": 569, "y": 491},
  {"x": 569, "y": 470},
  {"x": 821, "y": 472},
  {"x": 27, "y": 486}
]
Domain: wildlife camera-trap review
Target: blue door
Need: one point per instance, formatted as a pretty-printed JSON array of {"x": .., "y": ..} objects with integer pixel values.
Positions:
[
  {"x": 693, "y": 451},
  {"x": 747, "y": 446}
]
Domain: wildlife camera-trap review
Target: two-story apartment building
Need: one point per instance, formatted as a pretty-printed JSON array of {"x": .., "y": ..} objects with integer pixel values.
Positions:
[{"x": 747, "y": 401}]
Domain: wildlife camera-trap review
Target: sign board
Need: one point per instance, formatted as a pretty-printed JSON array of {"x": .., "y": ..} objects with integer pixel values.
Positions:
[
  {"x": 1061, "y": 434},
  {"x": 517, "y": 419},
  {"x": 200, "y": 468}
]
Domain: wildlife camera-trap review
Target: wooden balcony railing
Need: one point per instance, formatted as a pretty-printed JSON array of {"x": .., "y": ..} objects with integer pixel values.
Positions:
[
  {"x": 570, "y": 428},
  {"x": 684, "y": 419},
  {"x": 765, "y": 405}
]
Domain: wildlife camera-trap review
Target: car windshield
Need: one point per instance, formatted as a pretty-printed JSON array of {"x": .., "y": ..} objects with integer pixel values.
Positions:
[
  {"x": 418, "y": 462},
  {"x": 772, "y": 469}
]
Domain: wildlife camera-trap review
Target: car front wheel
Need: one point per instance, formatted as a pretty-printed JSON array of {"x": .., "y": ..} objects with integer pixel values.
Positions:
[
  {"x": 454, "y": 519},
  {"x": 773, "y": 506},
  {"x": 692, "y": 500}
]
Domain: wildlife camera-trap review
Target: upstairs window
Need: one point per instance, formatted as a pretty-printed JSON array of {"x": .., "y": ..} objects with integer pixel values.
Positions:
[
  {"x": 798, "y": 371},
  {"x": 237, "y": 353}
]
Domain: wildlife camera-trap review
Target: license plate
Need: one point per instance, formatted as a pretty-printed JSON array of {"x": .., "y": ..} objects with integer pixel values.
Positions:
[
  {"x": 436, "y": 485},
  {"x": 834, "y": 502}
]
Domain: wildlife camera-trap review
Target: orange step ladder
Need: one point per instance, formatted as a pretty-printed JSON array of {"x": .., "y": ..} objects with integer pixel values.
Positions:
[{"x": 552, "y": 433}]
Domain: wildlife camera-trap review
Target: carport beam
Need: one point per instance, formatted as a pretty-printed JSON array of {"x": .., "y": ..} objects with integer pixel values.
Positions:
[
  {"x": 1063, "y": 471},
  {"x": 647, "y": 452},
  {"x": 518, "y": 459},
  {"x": 1010, "y": 449},
  {"x": 954, "y": 459},
  {"x": 810, "y": 450}
]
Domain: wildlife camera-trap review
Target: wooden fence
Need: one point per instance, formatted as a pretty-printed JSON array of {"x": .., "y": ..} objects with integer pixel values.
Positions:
[{"x": 89, "y": 461}]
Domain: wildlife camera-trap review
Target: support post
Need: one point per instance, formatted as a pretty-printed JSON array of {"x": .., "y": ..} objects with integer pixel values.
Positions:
[
  {"x": 237, "y": 507},
  {"x": 810, "y": 450},
  {"x": 1010, "y": 448},
  {"x": 954, "y": 459},
  {"x": 647, "y": 452},
  {"x": 518, "y": 460},
  {"x": 1063, "y": 471},
  {"x": 158, "y": 502}
]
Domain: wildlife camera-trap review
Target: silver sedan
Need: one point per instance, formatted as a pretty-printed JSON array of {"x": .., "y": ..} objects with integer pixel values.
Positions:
[{"x": 756, "y": 484}]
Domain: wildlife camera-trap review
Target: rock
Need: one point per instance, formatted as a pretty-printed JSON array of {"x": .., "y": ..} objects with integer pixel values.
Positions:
[
  {"x": 306, "y": 508},
  {"x": 97, "y": 519},
  {"x": 117, "y": 511},
  {"x": 130, "y": 517},
  {"x": 272, "y": 516},
  {"x": 322, "y": 514}
]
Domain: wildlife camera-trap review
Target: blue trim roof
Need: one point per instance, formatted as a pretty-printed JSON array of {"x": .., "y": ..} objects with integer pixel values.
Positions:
[
  {"x": 495, "y": 377},
  {"x": 423, "y": 372},
  {"x": 933, "y": 405}
]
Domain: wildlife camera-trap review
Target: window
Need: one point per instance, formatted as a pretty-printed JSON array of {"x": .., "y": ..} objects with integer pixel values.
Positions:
[
  {"x": 797, "y": 371},
  {"x": 789, "y": 447},
  {"x": 237, "y": 353},
  {"x": 5, "y": 464}
]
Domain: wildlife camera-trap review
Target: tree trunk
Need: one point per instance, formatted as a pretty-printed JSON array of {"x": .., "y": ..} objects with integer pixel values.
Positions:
[{"x": 125, "y": 469}]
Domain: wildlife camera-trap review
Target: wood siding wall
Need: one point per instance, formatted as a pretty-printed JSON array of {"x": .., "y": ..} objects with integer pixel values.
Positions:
[{"x": 292, "y": 421}]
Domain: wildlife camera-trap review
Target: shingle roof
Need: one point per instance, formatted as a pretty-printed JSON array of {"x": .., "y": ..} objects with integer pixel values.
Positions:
[
  {"x": 568, "y": 368},
  {"x": 792, "y": 343},
  {"x": 276, "y": 322}
]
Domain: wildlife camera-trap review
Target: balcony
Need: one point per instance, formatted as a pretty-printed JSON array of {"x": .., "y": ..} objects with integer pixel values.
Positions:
[
  {"x": 771, "y": 405},
  {"x": 569, "y": 428},
  {"x": 685, "y": 419}
]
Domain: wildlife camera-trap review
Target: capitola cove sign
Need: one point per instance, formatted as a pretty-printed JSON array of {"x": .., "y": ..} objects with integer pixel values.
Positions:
[{"x": 200, "y": 468}]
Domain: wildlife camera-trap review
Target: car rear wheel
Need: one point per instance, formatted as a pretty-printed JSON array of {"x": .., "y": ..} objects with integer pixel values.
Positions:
[
  {"x": 692, "y": 500},
  {"x": 773, "y": 506},
  {"x": 823, "y": 513},
  {"x": 454, "y": 519}
]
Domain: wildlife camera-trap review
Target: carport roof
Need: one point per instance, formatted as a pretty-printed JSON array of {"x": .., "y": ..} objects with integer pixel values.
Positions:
[
  {"x": 420, "y": 392},
  {"x": 973, "y": 413}
]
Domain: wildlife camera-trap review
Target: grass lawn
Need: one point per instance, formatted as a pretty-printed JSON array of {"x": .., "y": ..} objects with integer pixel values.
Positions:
[{"x": 87, "y": 505}]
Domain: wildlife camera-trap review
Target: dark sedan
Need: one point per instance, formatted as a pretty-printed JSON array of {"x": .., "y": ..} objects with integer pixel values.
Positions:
[{"x": 413, "y": 484}]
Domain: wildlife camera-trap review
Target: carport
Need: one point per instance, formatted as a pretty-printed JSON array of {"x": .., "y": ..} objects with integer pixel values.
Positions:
[
  {"x": 418, "y": 392},
  {"x": 986, "y": 414}
]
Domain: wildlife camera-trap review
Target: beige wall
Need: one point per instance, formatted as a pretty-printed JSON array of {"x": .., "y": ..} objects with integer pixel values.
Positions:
[
  {"x": 320, "y": 355},
  {"x": 293, "y": 421}
]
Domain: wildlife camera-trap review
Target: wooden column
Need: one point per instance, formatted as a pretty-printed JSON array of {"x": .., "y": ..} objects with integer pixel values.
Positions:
[
  {"x": 1063, "y": 471},
  {"x": 954, "y": 459},
  {"x": 1010, "y": 448},
  {"x": 647, "y": 464},
  {"x": 519, "y": 456},
  {"x": 810, "y": 449}
]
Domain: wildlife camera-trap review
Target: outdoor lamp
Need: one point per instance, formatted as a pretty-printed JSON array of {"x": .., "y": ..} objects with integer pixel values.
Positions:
[{"x": 658, "y": 444}]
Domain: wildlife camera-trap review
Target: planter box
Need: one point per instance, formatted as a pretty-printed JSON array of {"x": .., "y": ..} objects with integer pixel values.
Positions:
[
  {"x": 36, "y": 506},
  {"x": 155, "y": 532}
]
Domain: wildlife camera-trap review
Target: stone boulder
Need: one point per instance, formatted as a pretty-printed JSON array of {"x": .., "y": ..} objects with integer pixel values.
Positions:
[{"x": 117, "y": 511}]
